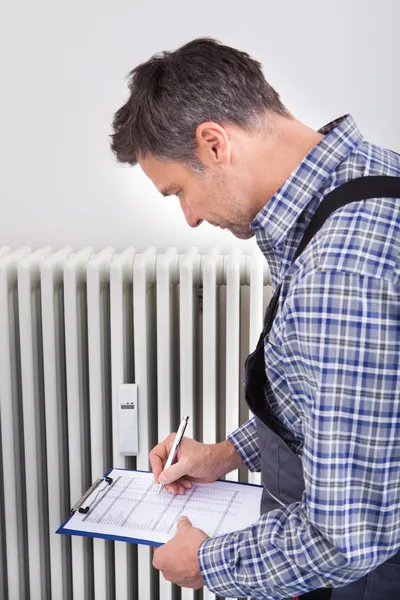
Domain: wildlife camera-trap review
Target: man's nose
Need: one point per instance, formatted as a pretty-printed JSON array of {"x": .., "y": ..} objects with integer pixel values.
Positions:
[
  {"x": 190, "y": 217},
  {"x": 194, "y": 222}
]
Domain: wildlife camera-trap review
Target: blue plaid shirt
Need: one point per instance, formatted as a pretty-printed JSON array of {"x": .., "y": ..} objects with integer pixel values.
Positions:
[{"x": 332, "y": 360}]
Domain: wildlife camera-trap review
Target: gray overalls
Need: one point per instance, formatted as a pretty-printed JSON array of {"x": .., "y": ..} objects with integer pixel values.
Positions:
[{"x": 281, "y": 468}]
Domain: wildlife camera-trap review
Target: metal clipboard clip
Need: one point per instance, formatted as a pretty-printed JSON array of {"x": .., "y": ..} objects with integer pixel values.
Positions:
[{"x": 84, "y": 510}]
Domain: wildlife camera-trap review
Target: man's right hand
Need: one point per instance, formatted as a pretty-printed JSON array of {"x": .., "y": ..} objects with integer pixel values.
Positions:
[{"x": 194, "y": 461}]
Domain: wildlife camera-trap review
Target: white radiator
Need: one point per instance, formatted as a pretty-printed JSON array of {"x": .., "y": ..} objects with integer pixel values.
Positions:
[{"x": 73, "y": 327}]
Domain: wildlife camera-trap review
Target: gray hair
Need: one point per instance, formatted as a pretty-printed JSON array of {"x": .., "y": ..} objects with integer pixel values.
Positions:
[{"x": 174, "y": 92}]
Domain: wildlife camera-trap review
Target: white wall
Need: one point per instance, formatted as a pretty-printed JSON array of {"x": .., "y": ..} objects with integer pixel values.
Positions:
[{"x": 62, "y": 76}]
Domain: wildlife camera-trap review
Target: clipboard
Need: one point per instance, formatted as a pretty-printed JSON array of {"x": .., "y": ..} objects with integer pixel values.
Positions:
[
  {"x": 84, "y": 507},
  {"x": 92, "y": 515}
]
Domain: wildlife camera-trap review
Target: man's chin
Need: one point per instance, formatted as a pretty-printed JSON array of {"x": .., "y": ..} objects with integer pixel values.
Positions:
[{"x": 242, "y": 235}]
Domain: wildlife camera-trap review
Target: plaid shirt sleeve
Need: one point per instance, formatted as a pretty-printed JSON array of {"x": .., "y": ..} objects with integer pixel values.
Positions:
[
  {"x": 343, "y": 329},
  {"x": 245, "y": 441}
]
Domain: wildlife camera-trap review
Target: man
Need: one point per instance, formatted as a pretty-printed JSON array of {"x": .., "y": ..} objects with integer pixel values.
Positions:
[{"x": 204, "y": 125}]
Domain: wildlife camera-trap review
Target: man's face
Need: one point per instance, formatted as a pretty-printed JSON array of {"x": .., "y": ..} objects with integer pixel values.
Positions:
[{"x": 214, "y": 195}]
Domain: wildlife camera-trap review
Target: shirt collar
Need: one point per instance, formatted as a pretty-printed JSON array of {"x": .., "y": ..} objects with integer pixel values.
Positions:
[{"x": 281, "y": 212}]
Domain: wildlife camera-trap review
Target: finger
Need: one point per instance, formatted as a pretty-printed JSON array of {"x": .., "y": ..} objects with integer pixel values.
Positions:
[
  {"x": 159, "y": 455},
  {"x": 173, "y": 472},
  {"x": 176, "y": 488},
  {"x": 183, "y": 523},
  {"x": 173, "y": 488},
  {"x": 182, "y": 481},
  {"x": 201, "y": 479},
  {"x": 156, "y": 558}
]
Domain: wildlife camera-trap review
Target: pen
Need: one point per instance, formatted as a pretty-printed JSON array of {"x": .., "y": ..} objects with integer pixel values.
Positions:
[{"x": 175, "y": 446}]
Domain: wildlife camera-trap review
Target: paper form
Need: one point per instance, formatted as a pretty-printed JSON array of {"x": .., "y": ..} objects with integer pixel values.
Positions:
[{"x": 131, "y": 507}]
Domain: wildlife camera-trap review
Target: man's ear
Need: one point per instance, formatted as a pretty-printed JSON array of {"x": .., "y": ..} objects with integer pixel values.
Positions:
[{"x": 213, "y": 144}]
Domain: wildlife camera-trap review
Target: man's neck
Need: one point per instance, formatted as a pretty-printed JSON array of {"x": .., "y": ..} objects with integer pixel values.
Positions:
[{"x": 278, "y": 154}]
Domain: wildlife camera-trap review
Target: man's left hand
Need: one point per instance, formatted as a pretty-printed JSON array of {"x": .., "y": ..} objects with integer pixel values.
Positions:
[{"x": 177, "y": 559}]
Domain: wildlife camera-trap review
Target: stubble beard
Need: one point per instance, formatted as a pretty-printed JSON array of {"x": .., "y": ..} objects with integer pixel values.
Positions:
[{"x": 243, "y": 233}]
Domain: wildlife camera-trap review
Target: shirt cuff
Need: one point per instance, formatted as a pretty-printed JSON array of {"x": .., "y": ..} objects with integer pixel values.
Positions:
[
  {"x": 245, "y": 441},
  {"x": 217, "y": 558}
]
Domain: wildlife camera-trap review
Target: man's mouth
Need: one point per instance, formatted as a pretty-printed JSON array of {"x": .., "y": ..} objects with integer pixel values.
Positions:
[{"x": 217, "y": 225}]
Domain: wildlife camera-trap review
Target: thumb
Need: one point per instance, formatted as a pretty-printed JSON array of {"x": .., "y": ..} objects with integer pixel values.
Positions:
[
  {"x": 173, "y": 473},
  {"x": 183, "y": 523}
]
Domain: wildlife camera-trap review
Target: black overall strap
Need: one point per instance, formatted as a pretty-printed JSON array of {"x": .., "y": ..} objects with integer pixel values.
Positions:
[{"x": 361, "y": 188}]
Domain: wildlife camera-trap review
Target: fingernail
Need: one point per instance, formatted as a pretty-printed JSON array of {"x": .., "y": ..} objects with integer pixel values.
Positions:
[
  {"x": 182, "y": 519},
  {"x": 162, "y": 479}
]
